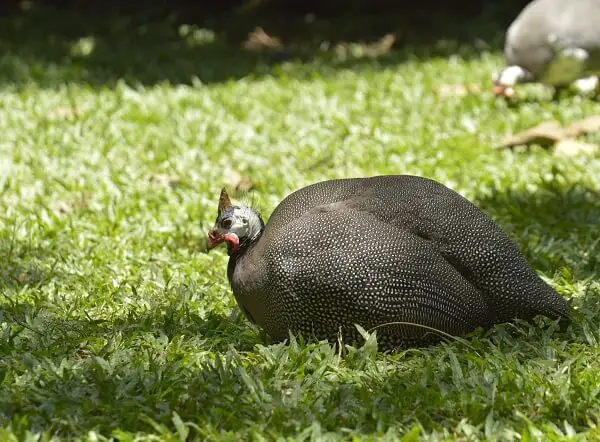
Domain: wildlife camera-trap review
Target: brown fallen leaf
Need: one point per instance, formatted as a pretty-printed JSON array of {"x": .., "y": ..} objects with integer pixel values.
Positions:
[
  {"x": 237, "y": 183},
  {"x": 544, "y": 134},
  {"x": 570, "y": 148},
  {"x": 381, "y": 47},
  {"x": 580, "y": 127},
  {"x": 259, "y": 40},
  {"x": 243, "y": 185},
  {"x": 456, "y": 90}
]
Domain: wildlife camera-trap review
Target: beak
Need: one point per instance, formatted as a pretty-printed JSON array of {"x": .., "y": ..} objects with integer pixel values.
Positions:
[{"x": 214, "y": 239}]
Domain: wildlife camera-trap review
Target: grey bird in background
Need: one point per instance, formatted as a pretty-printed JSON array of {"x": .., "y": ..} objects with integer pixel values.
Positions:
[
  {"x": 554, "y": 42},
  {"x": 401, "y": 254}
]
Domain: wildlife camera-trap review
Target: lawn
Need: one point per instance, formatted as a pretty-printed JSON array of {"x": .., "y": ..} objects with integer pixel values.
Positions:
[{"x": 116, "y": 323}]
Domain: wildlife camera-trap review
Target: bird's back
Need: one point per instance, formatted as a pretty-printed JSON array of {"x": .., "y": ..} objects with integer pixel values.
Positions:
[{"x": 455, "y": 228}]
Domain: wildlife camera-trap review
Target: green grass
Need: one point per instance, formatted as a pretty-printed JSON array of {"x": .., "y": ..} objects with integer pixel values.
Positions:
[{"x": 114, "y": 322}]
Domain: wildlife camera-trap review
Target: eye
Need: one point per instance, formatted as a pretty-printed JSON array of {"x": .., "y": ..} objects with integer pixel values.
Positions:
[
  {"x": 226, "y": 223},
  {"x": 244, "y": 220}
]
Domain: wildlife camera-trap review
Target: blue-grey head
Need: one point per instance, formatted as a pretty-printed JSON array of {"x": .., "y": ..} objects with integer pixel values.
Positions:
[{"x": 235, "y": 225}]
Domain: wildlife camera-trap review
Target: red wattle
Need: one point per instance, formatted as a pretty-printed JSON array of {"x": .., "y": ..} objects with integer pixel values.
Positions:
[{"x": 232, "y": 240}]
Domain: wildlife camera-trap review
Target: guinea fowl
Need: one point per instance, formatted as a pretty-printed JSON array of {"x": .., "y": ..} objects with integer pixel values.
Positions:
[
  {"x": 402, "y": 254},
  {"x": 555, "y": 42}
]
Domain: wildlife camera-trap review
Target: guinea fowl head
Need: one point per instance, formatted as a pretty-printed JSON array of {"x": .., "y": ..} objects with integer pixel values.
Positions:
[
  {"x": 235, "y": 225},
  {"x": 507, "y": 78}
]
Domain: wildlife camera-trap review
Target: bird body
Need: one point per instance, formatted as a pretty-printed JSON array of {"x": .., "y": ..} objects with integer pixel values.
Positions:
[
  {"x": 555, "y": 42},
  {"x": 399, "y": 250}
]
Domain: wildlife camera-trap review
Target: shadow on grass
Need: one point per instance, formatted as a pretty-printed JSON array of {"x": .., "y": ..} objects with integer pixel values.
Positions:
[
  {"x": 25, "y": 265},
  {"x": 51, "y": 48},
  {"x": 138, "y": 386},
  {"x": 132, "y": 373},
  {"x": 105, "y": 374},
  {"x": 41, "y": 328},
  {"x": 557, "y": 222}
]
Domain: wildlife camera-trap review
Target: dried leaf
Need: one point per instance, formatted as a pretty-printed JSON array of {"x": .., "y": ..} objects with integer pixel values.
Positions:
[
  {"x": 544, "y": 134},
  {"x": 571, "y": 148},
  {"x": 551, "y": 132},
  {"x": 244, "y": 185},
  {"x": 457, "y": 90},
  {"x": 237, "y": 183},
  {"x": 259, "y": 40},
  {"x": 381, "y": 47},
  {"x": 580, "y": 127}
]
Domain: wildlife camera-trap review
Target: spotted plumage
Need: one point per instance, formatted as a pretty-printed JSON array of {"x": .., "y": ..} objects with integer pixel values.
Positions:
[{"x": 374, "y": 251}]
